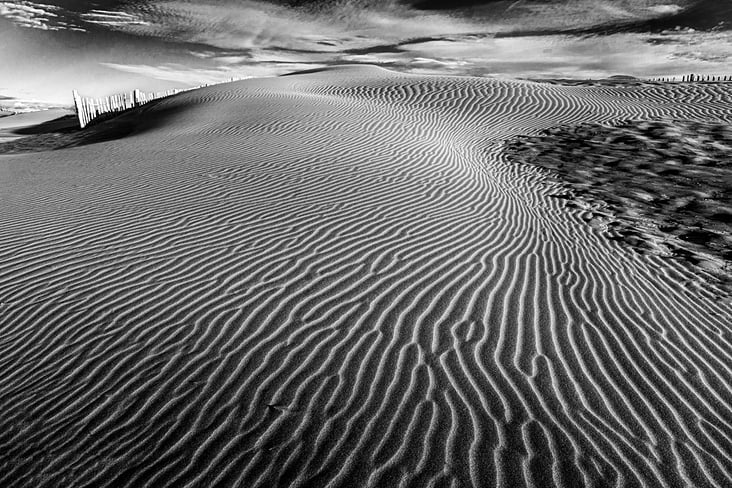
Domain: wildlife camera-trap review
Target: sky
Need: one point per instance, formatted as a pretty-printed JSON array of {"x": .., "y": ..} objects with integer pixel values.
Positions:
[{"x": 109, "y": 46}]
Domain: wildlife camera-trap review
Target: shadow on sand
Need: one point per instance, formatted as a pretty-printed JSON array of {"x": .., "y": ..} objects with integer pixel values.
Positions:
[{"x": 64, "y": 132}]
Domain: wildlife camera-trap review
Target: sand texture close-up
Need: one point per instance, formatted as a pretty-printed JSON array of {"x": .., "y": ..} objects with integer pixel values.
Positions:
[
  {"x": 344, "y": 278},
  {"x": 662, "y": 186}
]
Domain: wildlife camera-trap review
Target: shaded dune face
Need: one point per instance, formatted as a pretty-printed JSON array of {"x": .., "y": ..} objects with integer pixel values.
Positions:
[{"x": 339, "y": 279}]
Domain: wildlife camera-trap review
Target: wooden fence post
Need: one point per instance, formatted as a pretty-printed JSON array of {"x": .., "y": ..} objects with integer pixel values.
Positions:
[{"x": 77, "y": 107}]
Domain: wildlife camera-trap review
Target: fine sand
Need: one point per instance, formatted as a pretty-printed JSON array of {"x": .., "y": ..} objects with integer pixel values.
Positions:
[
  {"x": 341, "y": 279},
  {"x": 17, "y": 126},
  {"x": 662, "y": 186}
]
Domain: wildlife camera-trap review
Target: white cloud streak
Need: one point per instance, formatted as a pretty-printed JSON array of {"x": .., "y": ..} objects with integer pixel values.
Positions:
[
  {"x": 665, "y": 9},
  {"x": 37, "y": 16},
  {"x": 175, "y": 72},
  {"x": 112, "y": 19}
]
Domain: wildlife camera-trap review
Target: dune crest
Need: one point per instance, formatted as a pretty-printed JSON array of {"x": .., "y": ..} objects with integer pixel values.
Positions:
[{"x": 340, "y": 279}]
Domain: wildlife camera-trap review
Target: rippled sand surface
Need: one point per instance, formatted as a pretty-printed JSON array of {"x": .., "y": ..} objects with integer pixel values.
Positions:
[
  {"x": 662, "y": 186},
  {"x": 339, "y": 279}
]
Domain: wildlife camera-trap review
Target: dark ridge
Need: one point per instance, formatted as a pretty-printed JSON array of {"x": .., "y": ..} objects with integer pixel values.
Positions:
[
  {"x": 396, "y": 47},
  {"x": 455, "y": 4},
  {"x": 307, "y": 71}
]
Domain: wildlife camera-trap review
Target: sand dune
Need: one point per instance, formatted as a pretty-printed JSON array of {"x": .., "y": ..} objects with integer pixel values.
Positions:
[
  {"x": 340, "y": 279},
  {"x": 15, "y": 126}
]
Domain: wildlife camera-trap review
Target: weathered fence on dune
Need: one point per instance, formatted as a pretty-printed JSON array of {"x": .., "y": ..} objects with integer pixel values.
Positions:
[
  {"x": 88, "y": 109},
  {"x": 692, "y": 78}
]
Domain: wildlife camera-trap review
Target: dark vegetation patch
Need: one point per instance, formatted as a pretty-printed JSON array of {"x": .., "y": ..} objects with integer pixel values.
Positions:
[{"x": 662, "y": 187}]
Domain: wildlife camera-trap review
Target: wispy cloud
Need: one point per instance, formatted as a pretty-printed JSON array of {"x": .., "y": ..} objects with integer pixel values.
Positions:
[
  {"x": 36, "y": 16},
  {"x": 176, "y": 72},
  {"x": 252, "y": 24},
  {"x": 29, "y": 14},
  {"x": 112, "y": 19}
]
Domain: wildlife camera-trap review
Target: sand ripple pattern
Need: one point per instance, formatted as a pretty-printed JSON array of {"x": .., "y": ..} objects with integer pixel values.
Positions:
[{"x": 337, "y": 279}]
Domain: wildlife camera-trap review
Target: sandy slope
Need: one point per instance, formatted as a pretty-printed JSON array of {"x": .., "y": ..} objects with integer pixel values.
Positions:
[
  {"x": 338, "y": 279},
  {"x": 15, "y": 126},
  {"x": 662, "y": 186}
]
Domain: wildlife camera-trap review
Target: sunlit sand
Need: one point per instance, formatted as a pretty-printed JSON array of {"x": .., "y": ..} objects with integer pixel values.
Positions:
[{"x": 343, "y": 279}]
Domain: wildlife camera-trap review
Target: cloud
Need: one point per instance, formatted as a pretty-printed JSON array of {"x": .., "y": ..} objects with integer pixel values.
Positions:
[
  {"x": 15, "y": 105},
  {"x": 28, "y": 14},
  {"x": 36, "y": 16},
  {"x": 176, "y": 72},
  {"x": 250, "y": 24},
  {"x": 565, "y": 56},
  {"x": 112, "y": 19},
  {"x": 338, "y": 26},
  {"x": 665, "y": 9}
]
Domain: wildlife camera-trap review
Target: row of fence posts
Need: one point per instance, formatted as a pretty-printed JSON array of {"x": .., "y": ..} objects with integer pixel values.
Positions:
[
  {"x": 692, "y": 78},
  {"x": 88, "y": 109}
]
